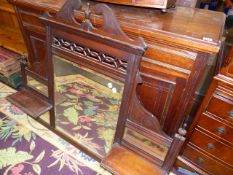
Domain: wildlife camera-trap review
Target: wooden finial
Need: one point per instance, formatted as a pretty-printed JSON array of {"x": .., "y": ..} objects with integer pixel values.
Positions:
[
  {"x": 182, "y": 131},
  {"x": 88, "y": 12},
  {"x": 86, "y": 24}
]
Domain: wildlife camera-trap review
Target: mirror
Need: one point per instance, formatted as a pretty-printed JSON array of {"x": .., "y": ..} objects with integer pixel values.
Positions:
[
  {"x": 37, "y": 86},
  {"x": 92, "y": 77},
  {"x": 42, "y": 89},
  {"x": 90, "y": 110},
  {"x": 146, "y": 144}
]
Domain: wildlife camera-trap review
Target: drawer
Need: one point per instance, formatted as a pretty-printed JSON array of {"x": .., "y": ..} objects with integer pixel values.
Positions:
[
  {"x": 206, "y": 163},
  {"x": 221, "y": 107},
  {"x": 151, "y": 2},
  {"x": 212, "y": 146},
  {"x": 166, "y": 55},
  {"x": 142, "y": 3},
  {"x": 216, "y": 127}
]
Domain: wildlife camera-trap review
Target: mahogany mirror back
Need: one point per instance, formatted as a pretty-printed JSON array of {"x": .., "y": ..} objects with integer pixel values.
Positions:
[
  {"x": 92, "y": 74},
  {"x": 105, "y": 59}
]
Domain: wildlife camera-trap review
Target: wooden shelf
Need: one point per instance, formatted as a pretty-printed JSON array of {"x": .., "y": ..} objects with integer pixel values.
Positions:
[
  {"x": 122, "y": 161},
  {"x": 12, "y": 39},
  {"x": 30, "y": 103},
  {"x": 5, "y": 6}
]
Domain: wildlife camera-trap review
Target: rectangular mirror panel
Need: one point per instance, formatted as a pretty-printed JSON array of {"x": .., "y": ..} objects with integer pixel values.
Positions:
[
  {"x": 90, "y": 110},
  {"x": 146, "y": 144},
  {"x": 36, "y": 85}
]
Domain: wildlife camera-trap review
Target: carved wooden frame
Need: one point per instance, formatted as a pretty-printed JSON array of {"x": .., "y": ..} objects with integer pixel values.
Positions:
[{"x": 107, "y": 50}]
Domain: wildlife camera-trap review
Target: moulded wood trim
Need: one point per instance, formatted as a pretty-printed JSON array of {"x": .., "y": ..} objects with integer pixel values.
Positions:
[
  {"x": 224, "y": 79},
  {"x": 176, "y": 68}
]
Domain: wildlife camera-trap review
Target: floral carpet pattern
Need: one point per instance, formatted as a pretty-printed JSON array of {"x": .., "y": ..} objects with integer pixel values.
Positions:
[
  {"x": 90, "y": 109},
  {"x": 26, "y": 147},
  {"x": 90, "y": 113},
  {"x": 23, "y": 152}
]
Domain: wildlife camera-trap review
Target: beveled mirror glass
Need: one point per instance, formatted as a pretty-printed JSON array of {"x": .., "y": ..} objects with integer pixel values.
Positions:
[{"x": 89, "y": 113}]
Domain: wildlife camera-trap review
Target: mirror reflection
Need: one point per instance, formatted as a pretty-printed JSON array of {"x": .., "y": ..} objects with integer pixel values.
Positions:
[
  {"x": 146, "y": 144},
  {"x": 45, "y": 118},
  {"x": 90, "y": 110},
  {"x": 36, "y": 85}
]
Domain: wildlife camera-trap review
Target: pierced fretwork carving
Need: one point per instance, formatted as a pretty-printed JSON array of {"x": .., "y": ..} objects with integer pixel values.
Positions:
[
  {"x": 103, "y": 58},
  {"x": 110, "y": 23}
]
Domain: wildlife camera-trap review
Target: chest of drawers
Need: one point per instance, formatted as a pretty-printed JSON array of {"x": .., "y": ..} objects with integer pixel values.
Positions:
[{"x": 209, "y": 145}]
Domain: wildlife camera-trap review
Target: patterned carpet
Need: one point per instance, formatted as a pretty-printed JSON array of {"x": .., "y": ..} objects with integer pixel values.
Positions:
[
  {"x": 89, "y": 113},
  {"x": 26, "y": 147}
]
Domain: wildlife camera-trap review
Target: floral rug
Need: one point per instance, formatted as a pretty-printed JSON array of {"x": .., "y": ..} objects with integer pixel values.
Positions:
[
  {"x": 26, "y": 147},
  {"x": 90, "y": 111}
]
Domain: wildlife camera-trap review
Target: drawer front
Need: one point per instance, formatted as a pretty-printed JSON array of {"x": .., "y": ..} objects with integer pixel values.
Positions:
[
  {"x": 212, "y": 146},
  {"x": 221, "y": 107},
  {"x": 206, "y": 163},
  {"x": 141, "y": 3},
  {"x": 151, "y": 2},
  {"x": 162, "y": 55},
  {"x": 216, "y": 127}
]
